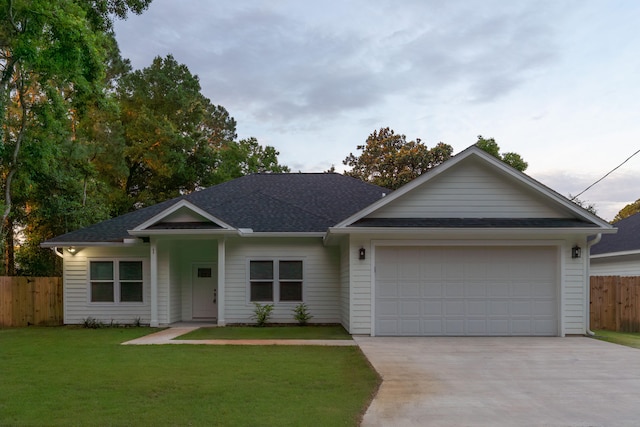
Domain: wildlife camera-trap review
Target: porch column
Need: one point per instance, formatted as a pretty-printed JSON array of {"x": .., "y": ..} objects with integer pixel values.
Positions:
[
  {"x": 154, "y": 283},
  {"x": 221, "y": 271}
]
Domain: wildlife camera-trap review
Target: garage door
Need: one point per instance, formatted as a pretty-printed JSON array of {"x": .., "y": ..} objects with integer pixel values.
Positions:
[{"x": 466, "y": 291}]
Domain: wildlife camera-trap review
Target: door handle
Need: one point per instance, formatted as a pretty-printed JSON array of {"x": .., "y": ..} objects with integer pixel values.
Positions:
[{"x": 215, "y": 296}]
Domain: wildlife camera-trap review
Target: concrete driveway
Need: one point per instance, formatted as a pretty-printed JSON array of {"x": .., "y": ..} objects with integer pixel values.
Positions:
[{"x": 573, "y": 381}]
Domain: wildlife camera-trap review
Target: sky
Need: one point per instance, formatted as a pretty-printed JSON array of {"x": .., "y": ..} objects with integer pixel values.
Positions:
[{"x": 556, "y": 81}]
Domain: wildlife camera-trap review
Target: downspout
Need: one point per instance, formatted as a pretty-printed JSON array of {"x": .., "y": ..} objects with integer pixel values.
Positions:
[
  {"x": 588, "y": 292},
  {"x": 55, "y": 251}
]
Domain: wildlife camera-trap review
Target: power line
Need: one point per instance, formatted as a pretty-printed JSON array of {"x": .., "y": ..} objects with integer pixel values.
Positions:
[{"x": 606, "y": 175}]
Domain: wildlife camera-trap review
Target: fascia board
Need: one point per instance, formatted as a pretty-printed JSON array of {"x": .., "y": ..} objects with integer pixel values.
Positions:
[
  {"x": 182, "y": 204},
  {"x": 616, "y": 254},
  {"x": 465, "y": 231},
  {"x": 87, "y": 244},
  {"x": 179, "y": 232}
]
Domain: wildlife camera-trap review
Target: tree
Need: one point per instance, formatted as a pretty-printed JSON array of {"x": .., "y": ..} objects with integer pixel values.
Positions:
[
  {"x": 627, "y": 211},
  {"x": 591, "y": 207},
  {"x": 512, "y": 159},
  {"x": 176, "y": 141},
  {"x": 51, "y": 68},
  {"x": 389, "y": 160}
]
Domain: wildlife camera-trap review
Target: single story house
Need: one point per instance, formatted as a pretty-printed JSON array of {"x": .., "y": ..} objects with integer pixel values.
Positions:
[
  {"x": 618, "y": 254},
  {"x": 473, "y": 247}
]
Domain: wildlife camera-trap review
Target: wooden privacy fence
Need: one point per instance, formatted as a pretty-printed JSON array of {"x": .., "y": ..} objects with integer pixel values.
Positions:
[
  {"x": 615, "y": 303},
  {"x": 28, "y": 301}
]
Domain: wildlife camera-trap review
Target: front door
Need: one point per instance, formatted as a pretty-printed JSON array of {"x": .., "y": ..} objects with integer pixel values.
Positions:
[{"x": 205, "y": 291}]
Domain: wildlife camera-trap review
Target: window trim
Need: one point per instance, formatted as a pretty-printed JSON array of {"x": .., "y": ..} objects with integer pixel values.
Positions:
[
  {"x": 117, "y": 282},
  {"x": 276, "y": 280}
]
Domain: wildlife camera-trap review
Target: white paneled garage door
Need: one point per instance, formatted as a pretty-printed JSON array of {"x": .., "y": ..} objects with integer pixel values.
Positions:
[{"x": 466, "y": 291}]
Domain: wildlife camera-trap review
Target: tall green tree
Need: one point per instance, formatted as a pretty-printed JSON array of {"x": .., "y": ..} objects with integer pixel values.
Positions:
[
  {"x": 52, "y": 57},
  {"x": 389, "y": 160},
  {"x": 176, "y": 140},
  {"x": 512, "y": 159}
]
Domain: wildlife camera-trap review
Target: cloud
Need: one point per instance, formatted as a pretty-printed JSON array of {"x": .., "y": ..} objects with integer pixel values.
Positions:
[
  {"x": 278, "y": 62},
  {"x": 609, "y": 196}
]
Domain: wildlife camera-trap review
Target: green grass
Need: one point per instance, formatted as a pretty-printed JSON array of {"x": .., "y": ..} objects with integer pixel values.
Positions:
[
  {"x": 269, "y": 333},
  {"x": 84, "y": 377},
  {"x": 630, "y": 339}
]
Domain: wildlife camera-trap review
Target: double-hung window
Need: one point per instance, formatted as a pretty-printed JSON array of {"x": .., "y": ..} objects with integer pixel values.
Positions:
[
  {"x": 275, "y": 280},
  {"x": 116, "y": 281}
]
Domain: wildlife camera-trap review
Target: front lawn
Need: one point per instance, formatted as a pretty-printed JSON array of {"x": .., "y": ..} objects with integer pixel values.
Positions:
[
  {"x": 268, "y": 333},
  {"x": 630, "y": 339},
  {"x": 71, "y": 376}
]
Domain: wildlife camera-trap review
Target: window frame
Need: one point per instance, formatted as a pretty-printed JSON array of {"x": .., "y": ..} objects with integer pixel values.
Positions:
[
  {"x": 276, "y": 280},
  {"x": 117, "y": 282}
]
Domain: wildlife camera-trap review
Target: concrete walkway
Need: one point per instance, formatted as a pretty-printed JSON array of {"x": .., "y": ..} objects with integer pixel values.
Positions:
[
  {"x": 167, "y": 336},
  {"x": 500, "y": 382}
]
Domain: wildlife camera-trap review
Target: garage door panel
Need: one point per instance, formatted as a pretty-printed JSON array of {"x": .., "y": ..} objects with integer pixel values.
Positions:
[
  {"x": 454, "y": 289},
  {"x": 498, "y": 308},
  {"x": 454, "y": 327},
  {"x": 388, "y": 308},
  {"x": 432, "y": 326},
  {"x": 454, "y": 307},
  {"x": 387, "y": 289},
  {"x": 410, "y": 327},
  {"x": 410, "y": 308},
  {"x": 476, "y": 308},
  {"x": 466, "y": 291},
  {"x": 430, "y": 307},
  {"x": 475, "y": 289},
  {"x": 520, "y": 307},
  {"x": 409, "y": 289}
]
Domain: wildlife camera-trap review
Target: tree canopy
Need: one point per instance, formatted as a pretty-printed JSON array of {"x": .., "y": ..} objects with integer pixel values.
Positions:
[
  {"x": 627, "y": 211},
  {"x": 390, "y": 161},
  {"x": 83, "y": 137},
  {"x": 512, "y": 159}
]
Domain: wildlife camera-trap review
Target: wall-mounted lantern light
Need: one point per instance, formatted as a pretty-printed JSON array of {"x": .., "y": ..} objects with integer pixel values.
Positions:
[
  {"x": 362, "y": 253},
  {"x": 576, "y": 252}
]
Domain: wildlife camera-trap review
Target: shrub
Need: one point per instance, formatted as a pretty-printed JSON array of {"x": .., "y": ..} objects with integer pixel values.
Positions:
[
  {"x": 262, "y": 313},
  {"x": 301, "y": 314},
  {"x": 92, "y": 323}
]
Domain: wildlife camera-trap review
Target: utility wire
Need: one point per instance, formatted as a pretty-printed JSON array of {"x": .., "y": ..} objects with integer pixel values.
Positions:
[{"x": 606, "y": 175}]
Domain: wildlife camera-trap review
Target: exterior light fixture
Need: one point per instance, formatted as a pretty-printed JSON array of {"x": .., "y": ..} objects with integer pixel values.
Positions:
[
  {"x": 72, "y": 250},
  {"x": 576, "y": 252},
  {"x": 362, "y": 253}
]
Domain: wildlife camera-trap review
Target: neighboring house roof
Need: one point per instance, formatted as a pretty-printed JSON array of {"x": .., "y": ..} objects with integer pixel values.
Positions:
[
  {"x": 294, "y": 202},
  {"x": 626, "y": 240}
]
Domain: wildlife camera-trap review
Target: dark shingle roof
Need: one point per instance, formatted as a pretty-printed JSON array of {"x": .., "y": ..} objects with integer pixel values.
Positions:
[
  {"x": 626, "y": 239},
  {"x": 297, "y": 202}
]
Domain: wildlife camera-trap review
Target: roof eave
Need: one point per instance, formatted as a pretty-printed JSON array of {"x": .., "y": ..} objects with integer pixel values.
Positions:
[
  {"x": 615, "y": 254},
  {"x": 469, "y": 230}
]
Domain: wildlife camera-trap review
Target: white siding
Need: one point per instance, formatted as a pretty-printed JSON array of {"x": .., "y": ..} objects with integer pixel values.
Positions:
[
  {"x": 345, "y": 312},
  {"x": 77, "y": 306},
  {"x": 616, "y": 266},
  {"x": 163, "y": 282},
  {"x": 471, "y": 190},
  {"x": 360, "y": 290},
  {"x": 321, "y": 281},
  {"x": 175, "y": 289}
]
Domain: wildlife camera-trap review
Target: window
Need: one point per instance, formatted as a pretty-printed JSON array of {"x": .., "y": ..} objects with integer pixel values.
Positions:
[
  {"x": 275, "y": 281},
  {"x": 116, "y": 281}
]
